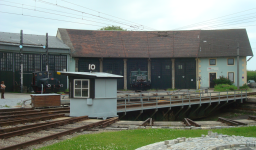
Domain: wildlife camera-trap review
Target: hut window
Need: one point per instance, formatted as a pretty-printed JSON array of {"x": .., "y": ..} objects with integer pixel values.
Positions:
[{"x": 81, "y": 88}]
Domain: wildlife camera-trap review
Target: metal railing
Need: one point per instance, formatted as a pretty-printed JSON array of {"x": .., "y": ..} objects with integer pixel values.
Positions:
[{"x": 155, "y": 100}]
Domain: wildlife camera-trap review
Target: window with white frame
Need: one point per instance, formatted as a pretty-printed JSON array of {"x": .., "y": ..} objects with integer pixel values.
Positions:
[
  {"x": 230, "y": 61},
  {"x": 212, "y": 61},
  {"x": 81, "y": 88}
]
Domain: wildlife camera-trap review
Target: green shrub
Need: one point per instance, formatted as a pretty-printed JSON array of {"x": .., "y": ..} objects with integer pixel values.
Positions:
[
  {"x": 245, "y": 86},
  {"x": 222, "y": 80},
  {"x": 224, "y": 87}
]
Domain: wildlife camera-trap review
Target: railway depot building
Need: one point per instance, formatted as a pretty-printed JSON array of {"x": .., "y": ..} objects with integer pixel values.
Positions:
[
  {"x": 173, "y": 59},
  {"x": 34, "y": 59}
]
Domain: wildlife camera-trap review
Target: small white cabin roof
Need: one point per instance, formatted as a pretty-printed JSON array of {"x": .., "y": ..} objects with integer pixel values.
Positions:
[{"x": 91, "y": 74}]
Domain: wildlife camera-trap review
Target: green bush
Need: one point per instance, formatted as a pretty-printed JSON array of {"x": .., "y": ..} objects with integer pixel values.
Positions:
[
  {"x": 224, "y": 87},
  {"x": 222, "y": 80},
  {"x": 245, "y": 86}
]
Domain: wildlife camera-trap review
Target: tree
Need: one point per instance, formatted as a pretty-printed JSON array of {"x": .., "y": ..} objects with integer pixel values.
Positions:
[{"x": 113, "y": 28}]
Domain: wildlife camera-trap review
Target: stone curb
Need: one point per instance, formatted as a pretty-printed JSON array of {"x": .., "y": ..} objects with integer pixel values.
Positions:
[{"x": 212, "y": 141}]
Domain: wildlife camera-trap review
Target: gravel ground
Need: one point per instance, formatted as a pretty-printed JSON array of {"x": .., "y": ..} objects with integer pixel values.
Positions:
[
  {"x": 47, "y": 143},
  {"x": 14, "y": 100}
]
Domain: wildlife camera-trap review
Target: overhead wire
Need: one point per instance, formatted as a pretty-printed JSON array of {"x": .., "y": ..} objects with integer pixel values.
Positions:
[
  {"x": 49, "y": 18},
  {"x": 107, "y": 14},
  {"x": 184, "y": 37},
  {"x": 73, "y": 14},
  {"x": 50, "y": 9},
  {"x": 207, "y": 21},
  {"x": 53, "y": 13},
  {"x": 66, "y": 12},
  {"x": 84, "y": 7},
  {"x": 82, "y": 12},
  {"x": 78, "y": 18},
  {"x": 226, "y": 24},
  {"x": 229, "y": 23}
]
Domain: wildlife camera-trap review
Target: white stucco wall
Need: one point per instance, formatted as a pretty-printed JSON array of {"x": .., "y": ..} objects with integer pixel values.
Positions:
[{"x": 221, "y": 69}]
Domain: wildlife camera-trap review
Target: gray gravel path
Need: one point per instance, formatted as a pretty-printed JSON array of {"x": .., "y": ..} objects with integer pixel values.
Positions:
[{"x": 15, "y": 100}]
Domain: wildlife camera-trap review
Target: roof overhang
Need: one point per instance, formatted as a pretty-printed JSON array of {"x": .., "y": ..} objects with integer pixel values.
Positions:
[{"x": 102, "y": 75}]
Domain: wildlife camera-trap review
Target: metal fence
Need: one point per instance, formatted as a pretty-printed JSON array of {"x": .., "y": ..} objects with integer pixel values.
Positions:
[{"x": 153, "y": 100}]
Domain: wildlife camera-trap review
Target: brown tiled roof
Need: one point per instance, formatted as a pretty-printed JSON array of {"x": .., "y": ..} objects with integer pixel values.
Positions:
[
  {"x": 149, "y": 44},
  {"x": 221, "y": 43}
]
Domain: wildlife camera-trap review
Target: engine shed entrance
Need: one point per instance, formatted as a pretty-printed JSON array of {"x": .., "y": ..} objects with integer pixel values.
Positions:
[
  {"x": 161, "y": 73},
  {"x": 185, "y": 73},
  {"x": 135, "y": 65}
]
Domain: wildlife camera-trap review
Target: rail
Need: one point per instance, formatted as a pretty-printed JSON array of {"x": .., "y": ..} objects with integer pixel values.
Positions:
[
  {"x": 32, "y": 114},
  {"x": 109, "y": 122},
  {"x": 33, "y": 119},
  {"x": 38, "y": 127},
  {"x": 252, "y": 118},
  {"x": 147, "y": 122},
  {"x": 15, "y": 109},
  {"x": 141, "y": 101},
  {"x": 54, "y": 136},
  {"x": 230, "y": 122},
  {"x": 189, "y": 122}
]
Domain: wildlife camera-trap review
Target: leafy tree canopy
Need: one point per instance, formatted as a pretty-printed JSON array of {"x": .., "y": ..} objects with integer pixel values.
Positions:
[{"x": 113, "y": 28}]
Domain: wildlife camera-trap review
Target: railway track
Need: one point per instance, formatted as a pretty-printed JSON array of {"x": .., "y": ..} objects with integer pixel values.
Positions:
[
  {"x": 15, "y": 109},
  {"x": 15, "y": 131},
  {"x": 252, "y": 118},
  {"x": 231, "y": 122},
  {"x": 28, "y": 119},
  {"x": 148, "y": 122},
  {"x": 21, "y": 116},
  {"x": 23, "y": 136},
  {"x": 189, "y": 122}
]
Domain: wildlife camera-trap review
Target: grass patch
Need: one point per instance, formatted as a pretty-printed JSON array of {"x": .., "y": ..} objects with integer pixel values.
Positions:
[
  {"x": 132, "y": 139},
  {"x": 19, "y": 103},
  {"x": 6, "y": 106},
  {"x": 60, "y": 93}
]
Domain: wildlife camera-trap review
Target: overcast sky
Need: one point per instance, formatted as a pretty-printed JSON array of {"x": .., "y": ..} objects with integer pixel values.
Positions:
[{"x": 46, "y": 16}]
